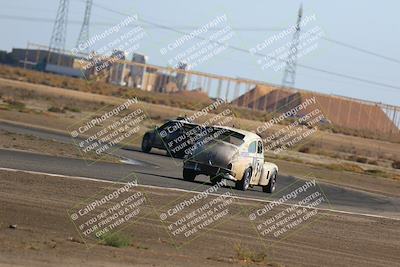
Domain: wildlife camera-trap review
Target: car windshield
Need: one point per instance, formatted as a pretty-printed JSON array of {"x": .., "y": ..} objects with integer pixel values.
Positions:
[
  {"x": 228, "y": 136},
  {"x": 172, "y": 126}
]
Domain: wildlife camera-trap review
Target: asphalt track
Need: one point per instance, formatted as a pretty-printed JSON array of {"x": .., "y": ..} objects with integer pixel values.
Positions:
[{"x": 157, "y": 169}]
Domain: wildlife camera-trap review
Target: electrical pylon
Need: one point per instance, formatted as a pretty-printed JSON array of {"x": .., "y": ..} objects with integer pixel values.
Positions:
[
  {"x": 58, "y": 37},
  {"x": 289, "y": 76},
  {"x": 84, "y": 33}
]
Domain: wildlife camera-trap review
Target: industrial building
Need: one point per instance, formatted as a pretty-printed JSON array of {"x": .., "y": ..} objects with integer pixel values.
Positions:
[
  {"x": 137, "y": 71},
  {"x": 114, "y": 69},
  {"x": 44, "y": 60},
  {"x": 118, "y": 70}
]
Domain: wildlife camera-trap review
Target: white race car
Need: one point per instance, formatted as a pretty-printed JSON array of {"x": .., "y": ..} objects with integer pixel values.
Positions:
[{"x": 233, "y": 154}]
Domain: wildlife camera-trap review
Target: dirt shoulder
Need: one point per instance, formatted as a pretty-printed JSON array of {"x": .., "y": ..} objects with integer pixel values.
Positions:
[
  {"x": 45, "y": 236},
  {"x": 363, "y": 182},
  {"x": 26, "y": 142}
]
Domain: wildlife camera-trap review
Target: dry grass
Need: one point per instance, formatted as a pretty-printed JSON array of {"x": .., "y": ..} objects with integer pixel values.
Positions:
[
  {"x": 249, "y": 256},
  {"x": 358, "y": 150},
  {"x": 10, "y": 103},
  {"x": 98, "y": 87},
  {"x": 174, "y": 100}
]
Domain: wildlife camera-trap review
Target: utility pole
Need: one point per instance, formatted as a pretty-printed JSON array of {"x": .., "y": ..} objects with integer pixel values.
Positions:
[
  {"x": 289, "y": 76},
  {"x": 57, "y": 41},
  {"x": 84, "y": 33}
]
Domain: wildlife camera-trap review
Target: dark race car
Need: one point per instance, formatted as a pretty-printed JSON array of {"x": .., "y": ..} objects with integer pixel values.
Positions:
[{"x": 174, "y": 136}]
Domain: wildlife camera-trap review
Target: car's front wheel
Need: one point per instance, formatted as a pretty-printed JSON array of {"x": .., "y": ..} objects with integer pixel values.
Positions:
[
  {"x": 271, "y": 186},
  {"x": 146, "y": 143},
  {"x": 245, "y": 182},
  {"x": 189, "y": 175}
]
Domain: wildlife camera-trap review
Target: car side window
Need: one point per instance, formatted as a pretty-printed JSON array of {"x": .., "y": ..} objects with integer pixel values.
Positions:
[
  {"x": 166, "y": 125},
  {"x": 253, "y": 147},
  {"x": 259, "y": 147}
]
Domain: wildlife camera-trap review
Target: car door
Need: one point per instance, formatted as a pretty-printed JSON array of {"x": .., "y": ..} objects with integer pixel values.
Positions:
[
  {"x": 259, "y": 158},
  {"x": 163, "y": 135},
  {"x": 252, "y": 153}
]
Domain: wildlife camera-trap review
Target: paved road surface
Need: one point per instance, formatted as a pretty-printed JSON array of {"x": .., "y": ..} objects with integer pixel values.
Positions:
[{"x": 159, "y": 170}]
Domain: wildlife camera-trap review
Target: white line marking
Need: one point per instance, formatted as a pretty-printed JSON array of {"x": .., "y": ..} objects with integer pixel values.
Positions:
[{"x": 190, "y": 191}]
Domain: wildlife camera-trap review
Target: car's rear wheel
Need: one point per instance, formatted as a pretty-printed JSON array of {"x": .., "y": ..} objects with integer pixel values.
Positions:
[
  {"x": 271, "y": 186},
  {"x": 146, "y": 143},
  {"x": 189, "y": 175},
  {"x": 245, "y": 182}
]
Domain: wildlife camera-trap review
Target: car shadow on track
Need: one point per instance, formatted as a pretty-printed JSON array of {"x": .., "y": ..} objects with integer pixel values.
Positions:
[
  {"x": 160, "y": 152},
  {"x": 174, "y": 178},
  {"x": 192, "y": 182}
]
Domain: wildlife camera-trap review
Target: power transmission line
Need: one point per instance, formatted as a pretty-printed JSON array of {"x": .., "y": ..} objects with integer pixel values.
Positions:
[
  {"x": 155, "y": 25},
  {"x": 360, "y": 49},
  {"x": 36, "y": 19},
  {"x": 238, "y": 29},
  {"x": 258, "y": 29},
  {"x": 337, "y": 74}
]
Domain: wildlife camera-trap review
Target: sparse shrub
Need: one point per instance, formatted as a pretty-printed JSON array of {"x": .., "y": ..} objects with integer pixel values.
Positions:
[
  {"x": 352, "y": 167},
  {"x": 304, "y": 149},
  {"x": 14, "y": 104},
  {"x": 357, "y": 159},
  {"x": 72, "y": 109},
  {"x": 396, "y": 164},
  {"x": 64, "y": 84},
  {"x": 56, "y": 109},
  {"x": 4, "y": 107},
  {"x": 345, "y": 167},
  {"x": 376, "y": 172},
  {"x": 247, "y": 255},
  {"x": 115, "y": 240},
  {"x": 46, "y": 82},
  {"x": 362, "y": 160},
  {"x": 352, "y": 158}
]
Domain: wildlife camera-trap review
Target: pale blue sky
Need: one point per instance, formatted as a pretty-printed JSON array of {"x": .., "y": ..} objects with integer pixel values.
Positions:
[{"x": 372, "y": 25}]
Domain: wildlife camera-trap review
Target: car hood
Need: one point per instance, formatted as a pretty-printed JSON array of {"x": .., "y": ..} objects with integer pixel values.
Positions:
[{"x": 216, "y": 153}]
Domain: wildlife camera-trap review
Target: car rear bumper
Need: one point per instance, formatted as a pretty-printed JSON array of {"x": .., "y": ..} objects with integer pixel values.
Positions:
[{"x": 210, "y": 170}]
